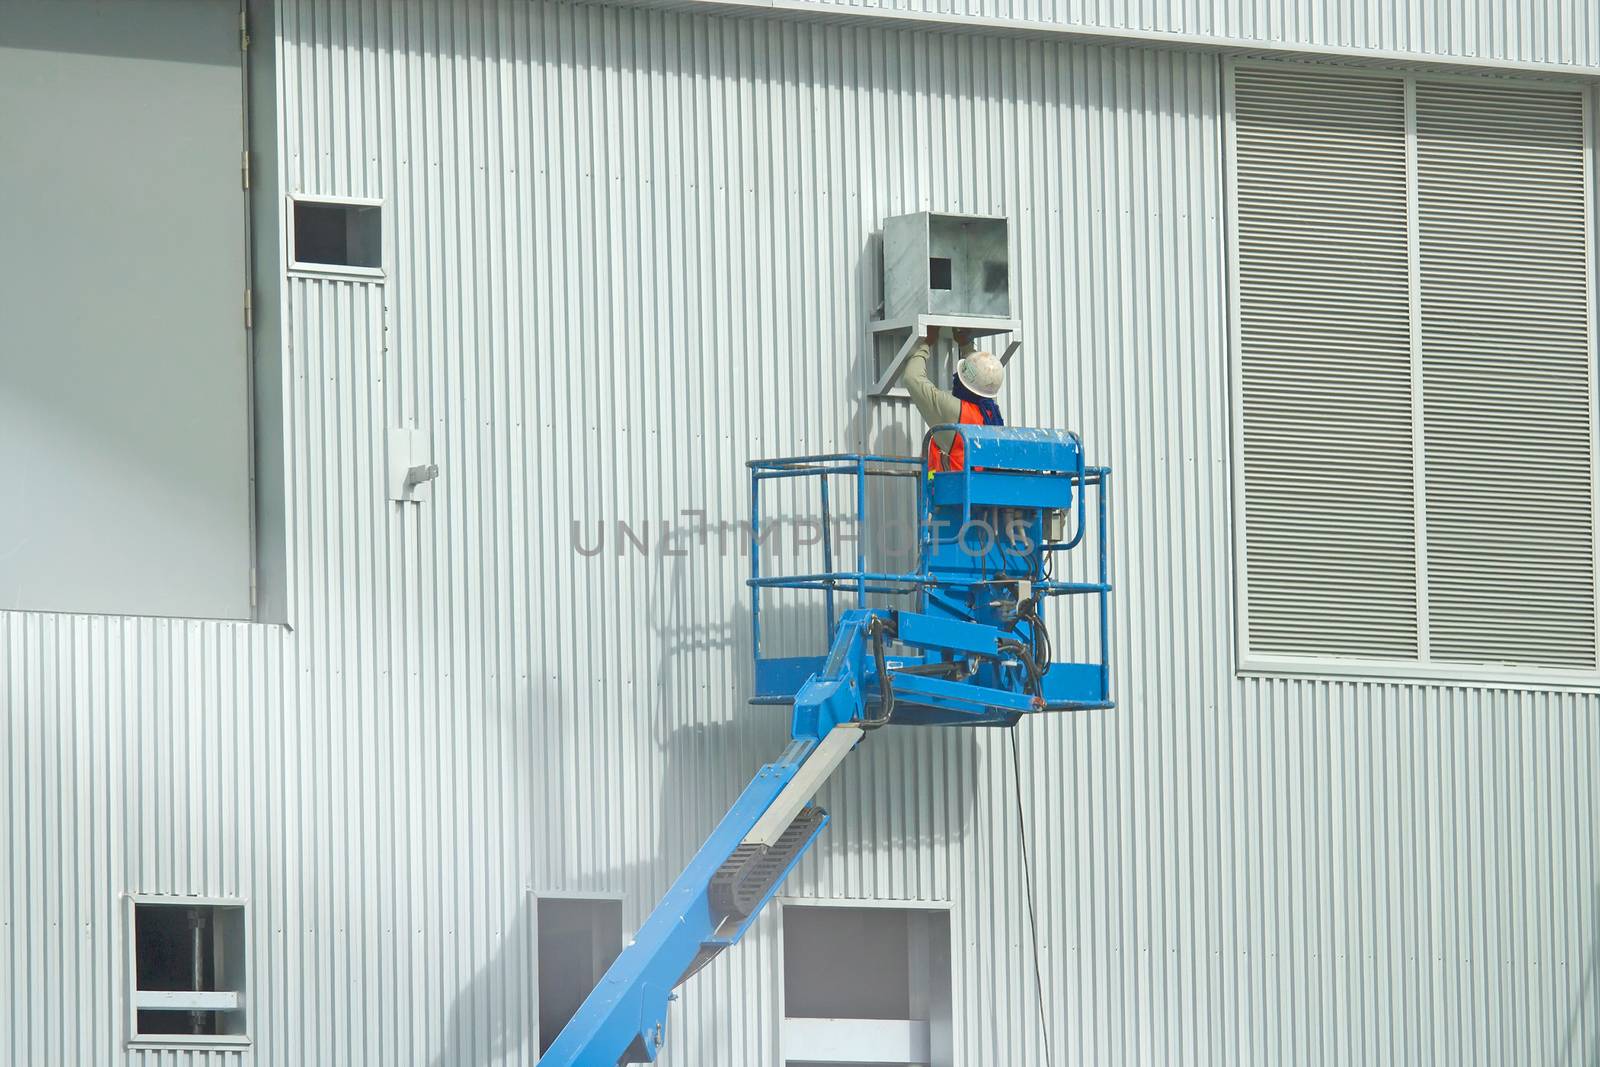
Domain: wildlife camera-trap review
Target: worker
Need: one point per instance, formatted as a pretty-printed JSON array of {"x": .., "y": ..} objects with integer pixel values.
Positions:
[{"x": 969, "y": 401}]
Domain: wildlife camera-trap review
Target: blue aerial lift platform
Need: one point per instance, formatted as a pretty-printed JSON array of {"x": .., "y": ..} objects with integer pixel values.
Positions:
[{"x": 970, "y": 647}]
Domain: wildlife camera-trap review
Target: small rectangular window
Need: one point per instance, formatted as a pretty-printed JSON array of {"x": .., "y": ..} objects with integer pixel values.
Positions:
[
  {"x": 939, "y": 273},
  {"x": 873, "y": 980},
  {"x": 578, "y": 940},
  {"x": 188, "y": 972},
  {"x": 337, "y": 236}
]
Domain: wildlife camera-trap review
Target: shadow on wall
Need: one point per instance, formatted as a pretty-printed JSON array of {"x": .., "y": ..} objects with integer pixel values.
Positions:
[
  {"x": 1580, "y": 1044},
  {"x": 494, "y": 1018},
  {"x": 706, "y": 756}
]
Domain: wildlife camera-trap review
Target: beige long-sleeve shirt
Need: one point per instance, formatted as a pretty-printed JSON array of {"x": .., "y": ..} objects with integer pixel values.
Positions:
[{"x": 938, "y": 406}]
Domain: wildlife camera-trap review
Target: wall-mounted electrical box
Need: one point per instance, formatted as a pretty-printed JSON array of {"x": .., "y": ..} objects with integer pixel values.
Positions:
[
  {"x": 941, "y": 270},
  {"x": 411, "y": 466}
]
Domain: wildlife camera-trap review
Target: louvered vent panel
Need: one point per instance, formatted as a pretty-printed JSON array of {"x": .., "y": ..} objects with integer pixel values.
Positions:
[
  {"x": 1506, "y": 374},
  {"x": 1330, "y": 508}
]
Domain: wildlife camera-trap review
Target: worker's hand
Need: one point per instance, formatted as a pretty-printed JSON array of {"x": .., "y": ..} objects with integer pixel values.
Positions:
[
  {"x": 932, "y": 336},
  {"x": 962, "y": 336}
]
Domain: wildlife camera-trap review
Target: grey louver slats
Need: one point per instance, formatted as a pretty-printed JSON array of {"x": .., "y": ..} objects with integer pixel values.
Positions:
[
  {"x": 1325, "y": 361},
  {"x": 1502, "y": 223},
  {"x": 1336, "y": 563}
]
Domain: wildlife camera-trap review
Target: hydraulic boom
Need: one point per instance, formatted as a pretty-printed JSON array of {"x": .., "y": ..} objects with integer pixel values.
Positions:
[{"x": 972, "y": 649}]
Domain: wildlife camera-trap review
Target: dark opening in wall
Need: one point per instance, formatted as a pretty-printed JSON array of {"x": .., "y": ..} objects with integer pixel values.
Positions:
[
  {"x": 337, "y": 235},
  {"x": 578, "y": 940},
  {"x": 939, "y": 273},
  {"x": 188, "y": 969},
  {"x": 846, "y": 963},
  {"x": 863, "y": 978}
]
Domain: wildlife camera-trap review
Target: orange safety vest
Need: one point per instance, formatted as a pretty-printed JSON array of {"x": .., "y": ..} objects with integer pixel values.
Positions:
[{"x": 956, "y": 458}]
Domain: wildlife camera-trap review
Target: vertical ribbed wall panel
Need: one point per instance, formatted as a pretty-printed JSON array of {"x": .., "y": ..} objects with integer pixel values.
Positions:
[
  {"x": 628, "y": 251},
  {"x": 1536, "y": 33},
  {"x": 132, "y": 764}
]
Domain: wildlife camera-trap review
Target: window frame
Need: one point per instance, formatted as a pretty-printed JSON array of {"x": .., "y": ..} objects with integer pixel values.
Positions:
[
  {"x": 1355, "y": 668},
  {"x": 535, "y": 899},
  {"x": 297, "y": 269},
  {"x": 938, "y": 1033},
  {"x": 134, "y": 1039}
]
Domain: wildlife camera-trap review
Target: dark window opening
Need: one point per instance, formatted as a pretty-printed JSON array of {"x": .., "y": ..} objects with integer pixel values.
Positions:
[
  {"x": 939, "y": 273},
  {"x": 183, "y": 948},
  {"x": 846, "y": 963},
  {"x": 176, "y": 947},
  {"x": 853, "y": 971},
  {"x": 178, "y": 1022},
  {"x": 336, "y": 235},
  {"x": 578, "y": 940}
]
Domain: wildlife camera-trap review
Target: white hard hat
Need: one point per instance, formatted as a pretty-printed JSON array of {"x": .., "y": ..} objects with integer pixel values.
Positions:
[{"x": 982, "y": 373}]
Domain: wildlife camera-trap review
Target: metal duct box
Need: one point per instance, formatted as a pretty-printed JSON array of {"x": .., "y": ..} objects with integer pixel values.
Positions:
[{"x": 946, "y": 265}]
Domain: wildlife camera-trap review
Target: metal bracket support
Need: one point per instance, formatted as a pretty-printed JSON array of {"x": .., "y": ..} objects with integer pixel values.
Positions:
[{"x": 886, "y": 385}]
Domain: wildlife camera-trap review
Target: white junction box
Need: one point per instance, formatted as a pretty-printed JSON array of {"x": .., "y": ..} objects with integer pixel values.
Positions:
[{"x": 411, "y": 466}]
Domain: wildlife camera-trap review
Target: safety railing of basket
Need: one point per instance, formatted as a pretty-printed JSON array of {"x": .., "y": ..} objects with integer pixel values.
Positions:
[{"x": 863, "y": 582}]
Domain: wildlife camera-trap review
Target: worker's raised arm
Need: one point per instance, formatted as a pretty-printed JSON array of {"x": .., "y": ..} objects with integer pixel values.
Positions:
[{"x": 938, "y": 406}]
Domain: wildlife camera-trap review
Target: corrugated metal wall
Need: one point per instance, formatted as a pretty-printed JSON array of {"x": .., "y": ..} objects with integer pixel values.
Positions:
[
  {"x": 630, "y": 250},
  {"x": 1544, "y": 33}
]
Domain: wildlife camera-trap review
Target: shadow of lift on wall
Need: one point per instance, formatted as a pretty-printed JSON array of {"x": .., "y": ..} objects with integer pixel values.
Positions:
[{"x": 494, "y": 1018}]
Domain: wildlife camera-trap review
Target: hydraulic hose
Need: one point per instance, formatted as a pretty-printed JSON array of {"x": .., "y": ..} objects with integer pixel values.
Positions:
[
  {"x": 885, "y": 684},
  {"x": 1020, "y": 651},
  {"x": 1042, "y": 651}
]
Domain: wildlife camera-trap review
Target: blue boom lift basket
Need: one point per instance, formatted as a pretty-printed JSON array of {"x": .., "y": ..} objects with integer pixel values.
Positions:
[{"x": 1013, "y": 479}]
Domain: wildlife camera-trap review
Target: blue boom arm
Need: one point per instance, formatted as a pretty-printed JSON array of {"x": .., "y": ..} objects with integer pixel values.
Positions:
[
  {"x": 737, "y": 870},
  {"x": 970, "y": 650}
]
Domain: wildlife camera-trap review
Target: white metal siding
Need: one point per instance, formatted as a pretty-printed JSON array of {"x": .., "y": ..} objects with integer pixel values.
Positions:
[
  {"x": 616, "y": 231},
  {"x": 1507, "y": 373},
  {"x": 1552, "y": 34}
]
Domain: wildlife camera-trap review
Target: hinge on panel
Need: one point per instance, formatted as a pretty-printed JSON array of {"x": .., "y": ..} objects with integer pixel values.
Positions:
[
  {"x": 244, "y": 32},
  {"x": 244, "y": 168},
  {"x": 249, "y": 308}
]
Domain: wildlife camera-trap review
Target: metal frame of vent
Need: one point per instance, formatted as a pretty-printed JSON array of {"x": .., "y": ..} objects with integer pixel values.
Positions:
[{"x": 1488, "y": 673}]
